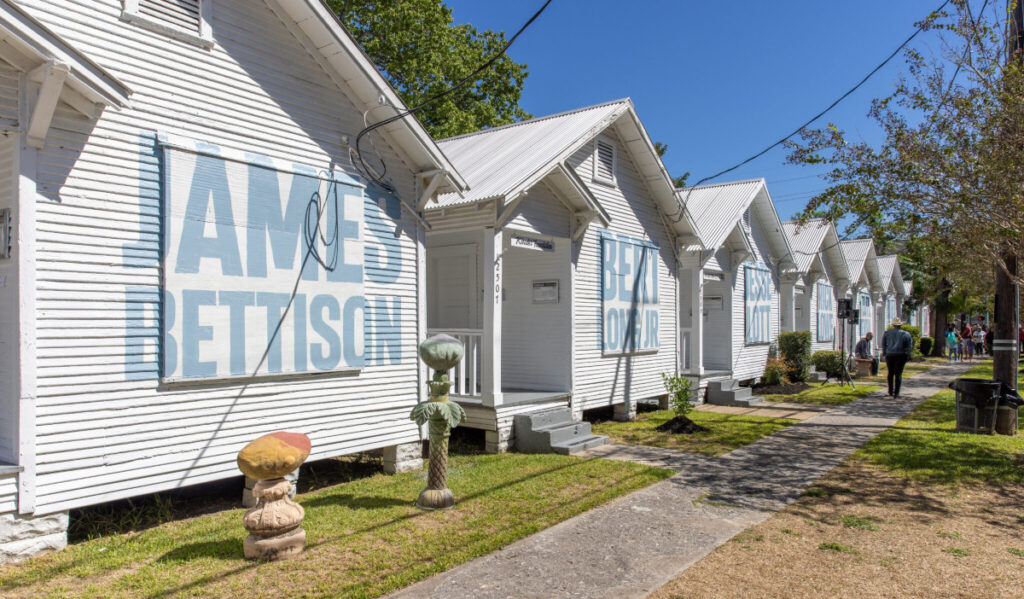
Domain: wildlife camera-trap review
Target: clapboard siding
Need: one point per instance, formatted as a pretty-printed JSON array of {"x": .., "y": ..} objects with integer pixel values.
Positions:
[
  {"x": 102, "y": 436},
  {"x": 8, "y": 493},
  {"x": 536, "y": 339},
  {"x": 829, "y": 278},
  {"x": 541, "y": 213},
  {"x": 8, "y": 302},
  {"x": 458, "y": 218},
  {"x": 602, "y": 381},
  {"x": 748, "y": 361}
]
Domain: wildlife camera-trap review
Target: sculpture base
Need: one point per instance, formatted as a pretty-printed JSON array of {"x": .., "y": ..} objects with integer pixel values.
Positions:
[
  {"x": 275, "y": 548},
  {"x": 435, "y": 499}
]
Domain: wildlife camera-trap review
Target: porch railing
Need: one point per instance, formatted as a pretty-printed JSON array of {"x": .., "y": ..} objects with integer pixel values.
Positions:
[{"x": 465, "y": 377}]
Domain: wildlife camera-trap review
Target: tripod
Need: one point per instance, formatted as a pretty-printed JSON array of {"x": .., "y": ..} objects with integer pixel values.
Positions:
[{"x": 844, "y": 372}]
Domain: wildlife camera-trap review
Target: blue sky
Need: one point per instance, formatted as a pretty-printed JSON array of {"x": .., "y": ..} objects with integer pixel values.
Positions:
[{"x": 716, "y": 81}]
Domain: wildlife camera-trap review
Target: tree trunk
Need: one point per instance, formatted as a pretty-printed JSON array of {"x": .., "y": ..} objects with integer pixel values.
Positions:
[{"x": 938, "y": 331}]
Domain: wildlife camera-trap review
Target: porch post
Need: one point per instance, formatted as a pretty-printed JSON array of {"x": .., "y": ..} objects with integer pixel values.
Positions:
[
  {"x": 787, "y": 299},
  {"x": 697, "y": 322},
  {"x": 490, "y": 375}
]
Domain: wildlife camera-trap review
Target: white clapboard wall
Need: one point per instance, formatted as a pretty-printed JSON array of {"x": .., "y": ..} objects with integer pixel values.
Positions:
[
  {"x": 8, "y": 271},
  {"x": 103, "y": 435},
  {"x": 599, "y": 380},
  {"x": 748, "y": 361}
]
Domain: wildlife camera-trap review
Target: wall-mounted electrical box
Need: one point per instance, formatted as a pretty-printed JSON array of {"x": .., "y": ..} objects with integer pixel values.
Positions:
[{"x": 545, "y": 292}]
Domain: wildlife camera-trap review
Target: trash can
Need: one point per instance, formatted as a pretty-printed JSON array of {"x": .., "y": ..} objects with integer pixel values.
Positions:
[{"x": 976, "y": 401}]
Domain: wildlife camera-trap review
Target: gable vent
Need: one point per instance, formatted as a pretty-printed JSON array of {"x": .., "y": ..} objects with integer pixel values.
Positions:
[
  {"x": 177, "y": 14},
  {"x": 604, "y": 161}
]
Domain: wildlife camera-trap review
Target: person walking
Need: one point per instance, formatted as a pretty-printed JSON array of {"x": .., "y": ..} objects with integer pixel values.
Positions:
[
  {"x": 896, "y": 347},
  {"x": 979, "y": 342},
  {"x": 951, "y": 343},
  {"x": 969, "y": 343}
]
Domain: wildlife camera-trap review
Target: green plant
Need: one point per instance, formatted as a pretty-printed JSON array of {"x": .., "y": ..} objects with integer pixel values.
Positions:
[
  {"x": 679, "y": 391},
  {"x": 858, "y": 522},
  {"x": 957, "y": 551},
  {"x": 915, "y": 334},
  {"x": 925, "y": 345},
  {"x": 774, "y": 372},
  {"x": 828, "y": 361},
  {"x": 948, "y": 535},
  {"x": 1017, "y": 552},
  {"x": 795, "y": 347},
  {"x": 830, "y": 546}
]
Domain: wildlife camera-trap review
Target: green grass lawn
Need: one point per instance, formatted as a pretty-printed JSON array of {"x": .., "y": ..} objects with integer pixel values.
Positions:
[
  {"x": 364, "y": 538},
  {"x": 726, "y": 431},
  {"x": 826, "y": 394},
  {"x": 925, "y": 446}
]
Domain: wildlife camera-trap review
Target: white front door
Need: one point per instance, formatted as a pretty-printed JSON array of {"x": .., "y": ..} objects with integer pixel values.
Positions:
[{"x": 452, "y": 287}]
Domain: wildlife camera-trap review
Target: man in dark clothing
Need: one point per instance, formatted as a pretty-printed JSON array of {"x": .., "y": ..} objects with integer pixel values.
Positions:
[
  {"x": 863, "y": 351},
  {"x": 896, "y": 347}
]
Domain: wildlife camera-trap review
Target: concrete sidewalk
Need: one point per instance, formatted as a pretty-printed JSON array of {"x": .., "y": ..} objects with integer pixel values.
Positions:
[{"x": 635, "y": 544}]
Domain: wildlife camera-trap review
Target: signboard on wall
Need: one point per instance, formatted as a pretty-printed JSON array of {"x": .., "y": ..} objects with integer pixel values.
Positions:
[
  {"x": 262, "y": 267},
  {"x": 826, "y": 317},
  {"x": 758, "y": 304},
  {"x": 629, "y": 295}
]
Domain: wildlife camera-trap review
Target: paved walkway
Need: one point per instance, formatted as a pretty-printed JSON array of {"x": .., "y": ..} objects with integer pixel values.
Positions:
[
  {"x": 769, "y": 410},
  {"x": 634, "y": 544}
]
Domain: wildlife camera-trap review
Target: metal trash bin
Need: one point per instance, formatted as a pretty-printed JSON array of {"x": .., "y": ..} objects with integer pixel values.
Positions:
[{"x": 976, "y": 401}]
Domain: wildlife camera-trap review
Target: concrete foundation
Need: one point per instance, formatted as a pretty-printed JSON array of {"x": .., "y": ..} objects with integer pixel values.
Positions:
[
  {"x": 407, "y": 457},
  {"x": 499, "y": 441},
  {"x": 22, "y": 537},
  {"x": 624, "y": 412}
]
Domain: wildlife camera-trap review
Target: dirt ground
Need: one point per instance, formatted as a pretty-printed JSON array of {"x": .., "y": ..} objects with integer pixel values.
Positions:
[{"x": 863, "y": 533}]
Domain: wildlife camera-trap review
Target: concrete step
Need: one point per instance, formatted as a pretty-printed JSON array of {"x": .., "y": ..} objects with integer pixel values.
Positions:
[
  {"x": 551, "y": 431},
  {"x": 580, "y": 444},
  {"x": 817, "y": 377}
]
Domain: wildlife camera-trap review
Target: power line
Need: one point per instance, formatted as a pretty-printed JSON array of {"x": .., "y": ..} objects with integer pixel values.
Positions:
[
  {"x": 462, "y": 82},
  {"x": 830, "y": 106}
]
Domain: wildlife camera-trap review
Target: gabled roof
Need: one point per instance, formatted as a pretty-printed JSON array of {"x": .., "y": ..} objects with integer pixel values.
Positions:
[
  {"x": 336, "y": 48},
  {"x": 816, "y": 239},
  {"x": 863, "y": 262},
  {"x": 718, "y": 210},
  {"x": 889, "y": 273},
  {"x": 28, "y": 44},
  {"x": 502, "y": 162}
]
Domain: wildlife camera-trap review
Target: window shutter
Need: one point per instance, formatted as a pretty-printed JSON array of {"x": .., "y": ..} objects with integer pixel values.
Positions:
[
  {"x": 178, "y": 14},
  {"x": 604, "y": 161}
]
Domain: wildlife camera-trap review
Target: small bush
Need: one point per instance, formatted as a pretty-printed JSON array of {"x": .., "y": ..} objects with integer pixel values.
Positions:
[
  {"x": 836, "y": 547},
  {"x": 795, "y": 347},
  {"x": 858, "y": 522},
  {"x": 679, "y": 391},
  {"x": 774, "y": 372},
  {"x": 828, "y": 361},
  {"x": 925, "y": 345},
  {"x": 915, "y": 334}
]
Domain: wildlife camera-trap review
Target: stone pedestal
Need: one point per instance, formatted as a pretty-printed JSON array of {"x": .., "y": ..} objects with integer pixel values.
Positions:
[
  {"x": 274, "y": 525},
  {"x": 22, "y": 537},
  {"x": 863, "y": 367},
  {"x": 624, "y": 412},
  {"x": 249, "y": 500},
  {"x": 407, "y": 457}
]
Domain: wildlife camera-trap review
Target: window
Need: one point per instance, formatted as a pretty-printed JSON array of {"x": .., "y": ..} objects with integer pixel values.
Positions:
[
  {"x": 826, "y": 314},
  {"x": 186, "y": 20},
  {"x": 758, "y": 308},
  {"x": 604, "y": 161},
  {"x": 890, "y": 309},
  {"x": 864, "y": 304}
]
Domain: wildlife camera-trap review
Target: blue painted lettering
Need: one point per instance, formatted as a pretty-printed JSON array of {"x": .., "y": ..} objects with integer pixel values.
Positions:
[
  {"x": 193, "y": 333},
  {"x": 209, "y": 184},
  {"x": 321, "y": 360}
]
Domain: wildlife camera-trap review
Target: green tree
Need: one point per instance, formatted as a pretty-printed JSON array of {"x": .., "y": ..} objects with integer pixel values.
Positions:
[{"x": 422, "y": 52}]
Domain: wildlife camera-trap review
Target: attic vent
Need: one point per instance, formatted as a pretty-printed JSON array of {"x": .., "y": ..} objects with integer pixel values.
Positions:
[
  {"x": 180, "y": 14},
  {"x": 181, "y": 19},
  {"x": 604, "y": 161}
]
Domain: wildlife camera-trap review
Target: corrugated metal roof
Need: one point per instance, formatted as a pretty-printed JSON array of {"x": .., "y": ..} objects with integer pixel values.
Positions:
[
  {"x": 496, "y": 162},
  {"x": 806, "y": 240},
  {"x": 857, "y": 252},
  {"x": 716, "y": 209},
  {"x": 886, "y": 270}
]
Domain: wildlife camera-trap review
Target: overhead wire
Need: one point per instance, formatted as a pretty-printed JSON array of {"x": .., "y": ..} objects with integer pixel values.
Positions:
[{"x": 458, "y": 85}]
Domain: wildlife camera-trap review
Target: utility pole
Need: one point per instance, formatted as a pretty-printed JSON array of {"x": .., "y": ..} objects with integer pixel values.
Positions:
[{"x": 1004, "y": 344}]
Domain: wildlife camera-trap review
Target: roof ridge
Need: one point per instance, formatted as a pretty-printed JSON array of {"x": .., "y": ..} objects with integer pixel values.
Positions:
[
  {"x": 711, "y": 185},
  {"x": 538, "y": 119}
]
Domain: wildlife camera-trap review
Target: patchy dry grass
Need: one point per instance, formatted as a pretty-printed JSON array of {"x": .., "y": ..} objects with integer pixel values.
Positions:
[
  {"x": 725, "y": 433},
  {"x": 364, "y": 537}
]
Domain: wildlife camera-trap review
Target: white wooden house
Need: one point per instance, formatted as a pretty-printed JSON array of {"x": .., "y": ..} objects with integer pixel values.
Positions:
[
  {"x": 893, "y": 293},
  {"x": 865, "y": 289},
  {"x": 820, "y": 278},
  {"x": 152, "y": 148},
  {"x": 558, "y": 268},
  {"x": 731, "y": 315}
]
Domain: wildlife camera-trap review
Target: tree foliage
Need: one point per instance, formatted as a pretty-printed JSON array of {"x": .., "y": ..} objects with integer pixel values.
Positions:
[
  {"x": 944, "y": 189},
  {"x": 422, "y": 52}
]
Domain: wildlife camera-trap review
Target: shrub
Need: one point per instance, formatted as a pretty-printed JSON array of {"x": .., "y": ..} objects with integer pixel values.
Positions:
[
  {"x": 795, "y": 347},
  {"x": 774, "y": 372},
  {"x": 679, "y": 390},
  {"x": 915, "y": 334},
  {"x": 925, "y": 345},
  {"x": 828, "y": 361}
]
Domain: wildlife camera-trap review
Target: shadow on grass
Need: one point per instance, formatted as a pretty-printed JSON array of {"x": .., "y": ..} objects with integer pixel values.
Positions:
[
  {"x": 355, "y": 502},
  {"x": 226, "y": 549}
]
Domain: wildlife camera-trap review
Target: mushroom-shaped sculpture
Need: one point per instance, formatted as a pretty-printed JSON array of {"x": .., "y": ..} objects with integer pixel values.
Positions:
[{"x": 440, "y": 352}]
